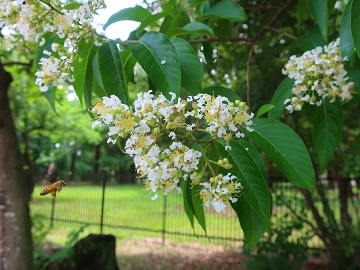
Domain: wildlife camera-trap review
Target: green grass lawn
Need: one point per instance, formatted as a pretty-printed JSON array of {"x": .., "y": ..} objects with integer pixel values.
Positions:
[{"x": 130, "y": 207}]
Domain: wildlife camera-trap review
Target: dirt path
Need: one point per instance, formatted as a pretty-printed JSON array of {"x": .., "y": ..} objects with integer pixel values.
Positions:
[{"x": 150, "y": 254}]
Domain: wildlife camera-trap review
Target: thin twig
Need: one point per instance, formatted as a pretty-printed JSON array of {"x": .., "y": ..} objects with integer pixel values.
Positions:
[{"x": 281, "y": 32}]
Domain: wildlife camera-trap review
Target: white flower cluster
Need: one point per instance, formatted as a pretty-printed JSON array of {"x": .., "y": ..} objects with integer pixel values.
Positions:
[
  {"x": 220, "y": 189},
  {"x": 29, "y": 20},
  {"x": 156, "y": 121},
  {"x": 54, "y": 69},
  {"x": 318, "y": 74}
]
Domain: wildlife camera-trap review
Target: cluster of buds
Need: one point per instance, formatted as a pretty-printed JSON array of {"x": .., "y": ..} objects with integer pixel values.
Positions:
[
  {"x": 29, "y": 20},
  {"x": 157, "y": 130},
  {"x": 318, "y": 74}
]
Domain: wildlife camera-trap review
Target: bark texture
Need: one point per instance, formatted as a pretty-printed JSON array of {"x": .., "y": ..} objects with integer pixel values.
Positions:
[{"x": 15, "y": 228}]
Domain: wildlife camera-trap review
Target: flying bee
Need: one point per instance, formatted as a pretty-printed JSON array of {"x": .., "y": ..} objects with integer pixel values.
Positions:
[{"x": 55, "y": 187}]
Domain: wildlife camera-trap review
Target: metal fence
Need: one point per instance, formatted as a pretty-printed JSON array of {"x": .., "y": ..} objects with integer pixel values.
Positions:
[{"x": 125, "y": 210}]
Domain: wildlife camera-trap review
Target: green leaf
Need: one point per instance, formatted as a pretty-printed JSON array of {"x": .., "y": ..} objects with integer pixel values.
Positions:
[
  {"x": 150, "y": 20},
  {"x": 221, "y": 91},
  {"x": 283, "y": 92},
  {"x": 254, "y": 206},
  {"x": 192, "y": 72},
  {"x": 226, "y": 9},
  {"x": 84, "y": 56},
  {"x": 157, "y": 56},
  {"x": 198, "y": 206},
  {"x": 346, "y": 40},
  {"x": 193, "y": 204},
  {"x": 177, "y": 19},
  {"x": 319, "y": 9},
  {"x": 50, "y": 96},
  {"x": 224, "y": 28},
  {"x": 327, "y": 121},
  {"x": 97, "y": 85},
  {"x": 136, "y": 13},
  {"x": 112, "y": 71},
  {"x": 208, "y": 53},
  {"x": 301, "y": 7},
  {"x": 50, "y": 38},
  {"x": 285, "y": 148},
  {"x": 190, "y": 28},
  {"x": 72, "y": 6},
  {"x": 355, "y": 25},
  {"x": 129, "y": 63},
  {"x": 91, "y": 84},
  {"x": 188, "y": 204},
  {"x": 264, "y": 109},
  {"x": 312, "y": 39},
  {"x": 197, "y": 27}
]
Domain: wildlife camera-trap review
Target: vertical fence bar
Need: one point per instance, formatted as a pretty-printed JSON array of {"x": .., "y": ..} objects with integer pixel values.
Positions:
[
  {"x": 102, "y": 205},
  {"x": 163, "y": 231},
  {"x": 52, "y": 212}
]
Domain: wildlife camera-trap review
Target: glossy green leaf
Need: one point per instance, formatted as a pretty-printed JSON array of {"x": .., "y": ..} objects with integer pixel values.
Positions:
[
  {"x": 136, "y": 13},
  {"x": 319, "y": 9},
  {"x": 112, "y": 71},
  {"x": 208, "y": 53},
  {"x": 283, "y": 92},
  {"x": 312, "y": 39},
  {"x": 193, "y": 204},
  {"x": 327, "y": 121},
  {"x": 150, "y": 20},
  {"x": 98, "y": 87},
  {"x": 197, "y": 27},
  {"x": 224, "y": 28},
  {"x": 188, "y": 204},
  {"x": 346, "y": 40},
  {"x": 221, "y": 91},
  {"x": 227, "y": 9},
  {"x": 157, "y": 56},
  {"x": 50, "y": 38},
  {"x": 129, "y": 63},
  {"x": 73, "y": 5},
  {"x": 264, "y": 109},
  {"x": 190, "y": 28},
  {"x": 84, "y": 56},
  {"x": 254, "y": 206},
  {"x": 198, "y": 206},
  {"x": 50, "y": 96},
  {"x": 300, "y": 10},
  {"x": 91, "y": 85},
  {"x": 192, "y": 72},
  {"x": 284, "y": 147},
  {"x": 176, "y": 19},
  {"x": 355, "y": 25}
]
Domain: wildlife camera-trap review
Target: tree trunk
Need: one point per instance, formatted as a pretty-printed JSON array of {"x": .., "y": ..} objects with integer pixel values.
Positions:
[{"x": 15, "y": 228}]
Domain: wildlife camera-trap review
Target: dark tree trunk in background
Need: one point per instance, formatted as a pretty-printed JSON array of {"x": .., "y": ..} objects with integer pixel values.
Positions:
[
  {"x": 15, "y": 228},
  {"x": 96, "y": 166}
]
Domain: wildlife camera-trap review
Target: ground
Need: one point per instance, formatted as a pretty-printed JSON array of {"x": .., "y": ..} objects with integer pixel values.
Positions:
[{"x": 150, "y": 254}]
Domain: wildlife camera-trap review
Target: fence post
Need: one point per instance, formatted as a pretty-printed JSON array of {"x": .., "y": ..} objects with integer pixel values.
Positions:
[
  {"x": 102, "y": 204},
  {"x": 163, "y": 231},
  {"x": 52, "y": 212}
]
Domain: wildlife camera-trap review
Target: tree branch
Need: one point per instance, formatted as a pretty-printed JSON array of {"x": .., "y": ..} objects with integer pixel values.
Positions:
[
  {"x": 12, "y": 63},
  {"x": 281, "y": 32}
]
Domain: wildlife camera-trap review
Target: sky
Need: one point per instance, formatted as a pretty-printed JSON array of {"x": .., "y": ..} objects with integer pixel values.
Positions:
[{"x": 121, "y": 29}]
